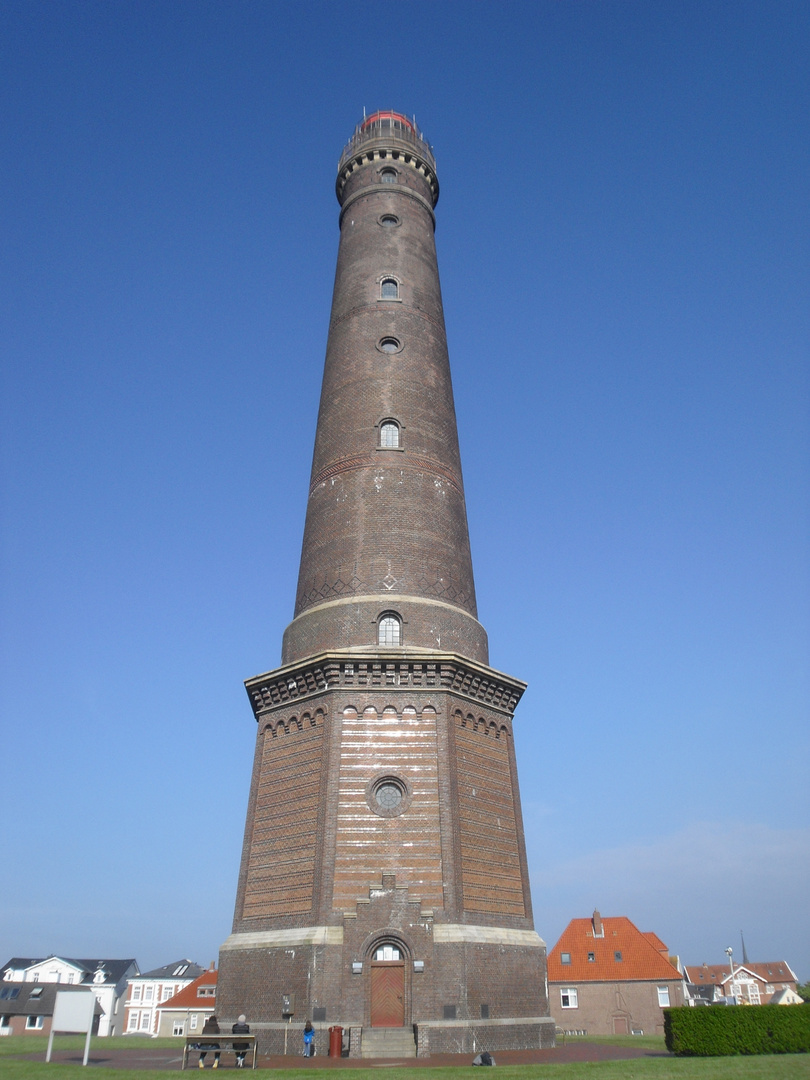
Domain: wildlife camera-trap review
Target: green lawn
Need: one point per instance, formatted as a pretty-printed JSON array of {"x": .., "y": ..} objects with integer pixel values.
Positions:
[
  {"x": 646, "y": 1042},
  {"x": 766, "y": 1067},
  {"x": 38, "y": 1044},
  {"x": 771, "y": 1067}
]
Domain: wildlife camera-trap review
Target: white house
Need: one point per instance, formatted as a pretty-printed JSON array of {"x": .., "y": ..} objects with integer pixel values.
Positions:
[
  {"x": 752, "y": 983},
  {"x": 106, "y": 978},
  {"x": 147, "y": 993}
]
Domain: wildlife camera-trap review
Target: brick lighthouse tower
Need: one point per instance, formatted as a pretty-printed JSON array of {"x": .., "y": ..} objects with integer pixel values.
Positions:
[{"x": 383, "y": 885}]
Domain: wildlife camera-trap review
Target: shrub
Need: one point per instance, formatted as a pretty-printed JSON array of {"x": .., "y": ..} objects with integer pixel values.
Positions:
[{"x": 717, "y": 1029}]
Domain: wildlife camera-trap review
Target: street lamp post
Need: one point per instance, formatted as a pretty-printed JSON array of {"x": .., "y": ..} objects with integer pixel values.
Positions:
[{"x": 731, "y": 967}]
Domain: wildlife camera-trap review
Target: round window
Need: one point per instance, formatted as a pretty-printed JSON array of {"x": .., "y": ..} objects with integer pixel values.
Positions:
[
  {"x": 388, "y": 796},
  {"x": 389, "y": 345},
  {"x": 390, "y": 221}
]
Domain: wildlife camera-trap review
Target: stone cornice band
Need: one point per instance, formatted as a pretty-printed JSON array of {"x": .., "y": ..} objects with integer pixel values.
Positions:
[
  {"x": 371, "y": 154},
  {"x": 443, "y": 933},
  {"x": 295, "y": 683},
  {"x": 277, "y": 939}
]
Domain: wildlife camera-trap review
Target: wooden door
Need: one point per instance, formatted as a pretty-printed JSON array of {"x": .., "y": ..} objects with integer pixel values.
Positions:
[{"x": 387, "y": 993}]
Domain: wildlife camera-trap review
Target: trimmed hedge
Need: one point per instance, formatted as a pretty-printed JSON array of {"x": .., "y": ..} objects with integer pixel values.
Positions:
[{"x": 737, "y": 1029}]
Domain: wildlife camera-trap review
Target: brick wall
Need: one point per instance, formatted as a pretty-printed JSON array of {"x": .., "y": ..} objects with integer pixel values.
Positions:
[
  {"x": 281, "y": 861},
  {"x": 614, "y": 1008},
  {"x": 490, "y": 844},
  {"x": 381, "y": 738},
  {"x": 386, "y": 523}
]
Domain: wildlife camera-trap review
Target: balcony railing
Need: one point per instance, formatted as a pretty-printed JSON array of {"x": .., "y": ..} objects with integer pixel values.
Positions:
[{"x": 399, "y": 134}]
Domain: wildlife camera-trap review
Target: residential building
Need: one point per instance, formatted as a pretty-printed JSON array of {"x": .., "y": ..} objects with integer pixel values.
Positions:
[
  {"x": 607, "y": 977},
  {"x": 26, "y": 1008},
  {"x": 147, "y": 992},
  {"x": 786, "y": 997},
  {"x": 753, "y": 984},
  {"x": 106, "y": 978},
  {"x": 186, "y": 1012}
]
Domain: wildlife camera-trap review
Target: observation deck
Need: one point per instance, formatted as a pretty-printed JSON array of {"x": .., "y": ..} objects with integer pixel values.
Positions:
[{"x": 387, "y": 135}]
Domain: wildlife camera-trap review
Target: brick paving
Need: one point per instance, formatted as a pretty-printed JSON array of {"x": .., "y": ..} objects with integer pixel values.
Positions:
[{"x": 144, "y": 1057}]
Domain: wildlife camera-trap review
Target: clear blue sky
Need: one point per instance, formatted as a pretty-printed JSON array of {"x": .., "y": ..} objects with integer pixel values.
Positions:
[{"x": 623, "y": 243}]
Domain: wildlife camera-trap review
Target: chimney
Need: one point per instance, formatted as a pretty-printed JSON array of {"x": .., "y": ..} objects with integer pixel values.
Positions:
[
  {"x": 597, "y": 925},
  {"x": 212, "y": 966}
]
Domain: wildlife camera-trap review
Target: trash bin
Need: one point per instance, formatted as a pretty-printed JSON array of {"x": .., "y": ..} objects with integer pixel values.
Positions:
[{"x": 335, "y": 1041}]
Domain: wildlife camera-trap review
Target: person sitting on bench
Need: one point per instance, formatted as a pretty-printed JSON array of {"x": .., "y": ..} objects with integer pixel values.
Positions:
[
  {"x": 240, "y": 1048},
  {"x": 211, "y": 1027}
]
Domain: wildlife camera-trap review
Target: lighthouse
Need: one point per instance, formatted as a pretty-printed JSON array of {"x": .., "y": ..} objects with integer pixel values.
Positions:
[{"x": 383, "y": 887}]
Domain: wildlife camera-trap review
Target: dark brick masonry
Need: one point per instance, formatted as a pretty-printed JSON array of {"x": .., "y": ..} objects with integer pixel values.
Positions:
[{"x": 384, "y": 810}]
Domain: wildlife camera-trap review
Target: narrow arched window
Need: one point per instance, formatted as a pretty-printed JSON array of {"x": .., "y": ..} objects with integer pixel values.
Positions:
[
  {"x": 389, "y": 289},
  {"x": 388, "y": 176},
  {"x": 389, "y": 630},
  {"x": 389, "y": 435}
]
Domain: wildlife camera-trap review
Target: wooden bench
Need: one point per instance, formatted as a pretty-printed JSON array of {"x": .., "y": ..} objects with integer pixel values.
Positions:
[{"x": 204, "y": 1044}]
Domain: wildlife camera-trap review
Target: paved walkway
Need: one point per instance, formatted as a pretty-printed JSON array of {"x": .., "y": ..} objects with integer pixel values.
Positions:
[{"x": 145, "y": 1057}]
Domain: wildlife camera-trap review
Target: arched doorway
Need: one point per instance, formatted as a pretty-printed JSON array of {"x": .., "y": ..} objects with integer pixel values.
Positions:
[{"x": 388, "y": 990}]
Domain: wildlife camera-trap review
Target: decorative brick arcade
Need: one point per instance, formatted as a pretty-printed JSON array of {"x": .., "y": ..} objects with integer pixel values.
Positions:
[{"x": 383, "y": 882}]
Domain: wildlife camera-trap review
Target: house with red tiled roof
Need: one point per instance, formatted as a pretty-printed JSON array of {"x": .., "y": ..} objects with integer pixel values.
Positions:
[
  {"x": 190, "y": 1007},
  {"x": 606, "y": 977},
  {"x": 754, "y": 984},
  {"x": 656, "y": 942}
]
